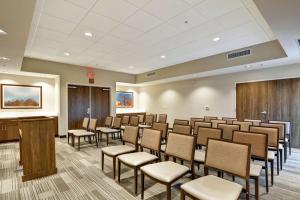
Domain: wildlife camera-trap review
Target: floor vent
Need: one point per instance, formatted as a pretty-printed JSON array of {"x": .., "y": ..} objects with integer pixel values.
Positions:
[
  {"x": 237, "y": 54},
  {"x": 151, "y": 74}
]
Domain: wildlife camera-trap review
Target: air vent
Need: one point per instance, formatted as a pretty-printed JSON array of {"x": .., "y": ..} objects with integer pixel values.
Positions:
[
  {"x": 151, "y": 74},
  {"x": 238, "y": 54}
]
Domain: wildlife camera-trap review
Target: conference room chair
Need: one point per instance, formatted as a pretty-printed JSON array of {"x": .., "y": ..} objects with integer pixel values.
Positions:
[
  {"x": 288, "y": 132},
  {"x": 167, "y": 172},
  {"x": 228, "y": 130},
  {"x": 134, "y": 121},
  {"x": 84, "y": 126},
  {"x": 125, "y": 120},
  {"x": 182, "y": 129},
  {"x": 181, "y": 122},
  {"x": 130, "y": 144},
  {"x": 90, "y": 132},
  {"x": 162, "y": 118},
  {"x": 255, "y": 122},
  {"x": 141, "y": 118},
  {"x": 259, "y": 151},
  {"x": 229, "y": 120},
  {"x": 163, "y": 127},
  {"x": 203, "y": 134},
  {"x": 201, "y": 124},
  {"x": 115, "y": 128},
  {"x": 244, "y": 126},
  {"x": 195, "y": 119},
  {"x": 223, "y": 156},
  {"x": 150, "y": 140},
  {"x": 215, "y": 122},
  {"x": 273, "y": 143},
  {"x": 209, "y": 118}
]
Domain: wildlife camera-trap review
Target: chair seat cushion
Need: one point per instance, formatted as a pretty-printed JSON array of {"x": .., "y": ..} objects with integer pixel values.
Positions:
[
  {"x": 212, "y": 188},
  {"x": 76, "y": 130},
  {"x": 255, "y": 169},
  {"x": 163, "y": 147},
  {"x": 123, "y": 127},
  {"x": 144, "y": 126},
  {"x": 83, "y": 133},
  {"x": 117, "y": 150},
  {"x": 107, "y": 130},
  {"x": 271, "y": 155},
  {"x": 137, "y": 158},
  {"x": 166, "y": 171},
  {"x": 199, "y": 156}
]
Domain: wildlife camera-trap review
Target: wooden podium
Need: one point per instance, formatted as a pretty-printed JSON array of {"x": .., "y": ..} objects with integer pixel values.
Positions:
[{"x": 37, "y": 147}]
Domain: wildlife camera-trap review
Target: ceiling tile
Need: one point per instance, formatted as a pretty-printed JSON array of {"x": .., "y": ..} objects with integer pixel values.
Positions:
[
  {"x": 80, "y": 31},
  {"x": 58, "y": 9},
  {"x": 166, "y": 9},
  {"x": 87, "y": 4},
  {"x": 125, "y": 32},
  {"x": 194, "y": 2},
  {"x": 99, "y": 22},
  {"x": 56, "y": 24},
  {"x": 50, "y": 34},
  {"x": 116, "y": 9},
  {"x": 139, "y": 3},
  {"x": 143, "y": 21}
]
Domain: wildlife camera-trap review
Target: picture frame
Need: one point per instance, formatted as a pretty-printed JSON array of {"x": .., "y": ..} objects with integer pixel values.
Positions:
[
  {"x": 124, "y": 99},
  {"x": 15, "y": 96}
]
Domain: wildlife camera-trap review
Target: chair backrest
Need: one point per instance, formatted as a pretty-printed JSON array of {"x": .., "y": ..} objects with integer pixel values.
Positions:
[
  {"x": 195, "y": 119},
  {"x": 162, "y": 118},
  {"x": 125, "y": 120},
  {"x": 151, "y": 139},
  {"x": 131, "y": 134},
  {"x": 182, "y": 129},
  {"x": 141, "y": 118},
  {"x": 227, "y": 156},
  {"x": 204, "y": 133},
  {"x": 93, "y": 124},
  {"x": 229, "y": 120},
  {"x": 215, "y": 122},
  {"x": 163, "y": 127},
  {"x": 181, "y": 122},
  {"x": 108, "y": 121},
  {"x": 134, "y": 121},
  {"x": 244, "y": 126},
  {"x": 154, "y": 117},
  {"x": 228, "y": 130},
  {"x": 287, "y": 125},
  {"x": 117, "y": 123},
  {"x": 273, "y": 134},
  {"x": 208, "y": 118},
  {"x": 258, "y": 142},
  {"x": 255, "y": 122},
  {"x": 281, "y": 128},
  {"x": 149, "y": 119},
  {"x": 181, "y": 146},
  {"x": 201, "y": 124},
  {"x": 85, "y": 123}
]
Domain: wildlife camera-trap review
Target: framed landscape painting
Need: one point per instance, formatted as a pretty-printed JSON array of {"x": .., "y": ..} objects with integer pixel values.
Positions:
[
  {"x": 124, "y": 99},
  {"x": 21, "y": 96}
]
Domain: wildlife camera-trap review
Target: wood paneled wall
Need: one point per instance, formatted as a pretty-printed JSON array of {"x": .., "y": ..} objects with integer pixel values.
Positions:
[{"x": 279, "y": 98}]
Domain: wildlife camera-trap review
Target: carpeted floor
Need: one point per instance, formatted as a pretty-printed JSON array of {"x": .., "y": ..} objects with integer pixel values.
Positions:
[{"x": 80, "y": 177}]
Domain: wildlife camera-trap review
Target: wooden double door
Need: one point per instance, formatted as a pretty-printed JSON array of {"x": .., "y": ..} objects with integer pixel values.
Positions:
[{"x": 87, "y": 101}]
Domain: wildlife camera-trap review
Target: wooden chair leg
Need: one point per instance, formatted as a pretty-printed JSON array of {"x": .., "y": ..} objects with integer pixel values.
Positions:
[
  {"x": 267, "y": 177},
  {"x": 182, "y": 195},
  {"x": 256, "y": 179},
  {"x": 114, "y": 167},
  {"x": 135, "y": 180},
  {"x": 272, "y": 172},
  {"x": 78, "y": 143},
  {"x": 285, "y": 151},
  {"x": 290, "y": 147},
  {"x": 281, "y": 158},
  {"x": 68, "y": 138},
  {"x": 169, "y": 192},
  {"x": 247, "y": 190},
  {"x": 119, "y": 171},
  {"x": 73, "y": 140},
  {"x": 102, "y": 160},
  {"x": 278, "y": 162},
  {"x": 142, "y": 185},
  {"x": 107, "y": 136}
]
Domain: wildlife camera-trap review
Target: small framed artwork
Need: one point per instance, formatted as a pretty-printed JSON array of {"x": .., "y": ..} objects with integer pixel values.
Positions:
[
  {"x": 21, "y": 96},
  {"x": 124, "y": 99}
]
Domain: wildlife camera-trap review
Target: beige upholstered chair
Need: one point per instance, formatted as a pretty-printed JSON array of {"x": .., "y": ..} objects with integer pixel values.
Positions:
[
  {"x": 208, "y": 118},
  {"x": 201, "y": 124},
  {"x": 134, "y": 121},
  {"x": 85, "y": 124},
  {"x": 195, "y": 119},
  {"x": 167, "y": 172},
  {"x": 228, "y": 130},
  {"x": 162, "y": 118},
  {"x": 288, "y": 132},
  {"x": 130, "y": 136},
  {"x": 116, "y": 128},
  {"x": 215, "y": 122},
  {"x": 224, "y": 156},
  {"x": 125, "y": 120},
  {"x": 244, "y": 126},
  {"x": 229, "y": 120},
  {"x": 149, "y": 119},
  {"x": 255, "y": 122},
  {"x": 150, "y": 140},
  {"x": 141, "y": 118},
  {"x": 273, "y": 142},
  {"x": 181, "y": 122},
  {"x": 154, "y": 117},
  {"x": 182, "y": 129},
  {"x": 259, "y": 151},
  {"x": 163, "y": 127},
  {"x": 88, "y": 133}
]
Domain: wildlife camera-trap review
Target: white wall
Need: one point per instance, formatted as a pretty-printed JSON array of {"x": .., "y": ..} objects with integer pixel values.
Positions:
[
  {"x": 136, "y": 103},
  {"x": 49, "y": 105},
  {"x": 185, "y": 99}
]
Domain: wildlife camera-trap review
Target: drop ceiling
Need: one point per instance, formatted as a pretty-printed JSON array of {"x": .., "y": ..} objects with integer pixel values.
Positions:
[{"x": 137, "y": 33}]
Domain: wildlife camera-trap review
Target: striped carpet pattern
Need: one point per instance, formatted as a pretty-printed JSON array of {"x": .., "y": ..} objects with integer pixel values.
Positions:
[{"x": 80, "y": 177}]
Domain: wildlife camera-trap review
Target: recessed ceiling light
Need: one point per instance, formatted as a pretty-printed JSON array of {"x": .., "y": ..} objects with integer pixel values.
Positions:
[
  {"x": 67, "y": 54},
  {"x": 4, "y": 58},
  {"x": 2, "y": 32},
  {"x": 163, "y": 56},
  {"x": 131, "y": 67},
  {"x": 88, "y": 34},
  {"x": 216, "y": 39}
]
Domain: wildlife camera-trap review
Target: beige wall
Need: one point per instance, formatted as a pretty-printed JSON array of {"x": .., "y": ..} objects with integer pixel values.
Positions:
[
  {"x": 76, "y": 75},
  {"x": 185, "y": 99},
  {"x": 49, "y": 106}
]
